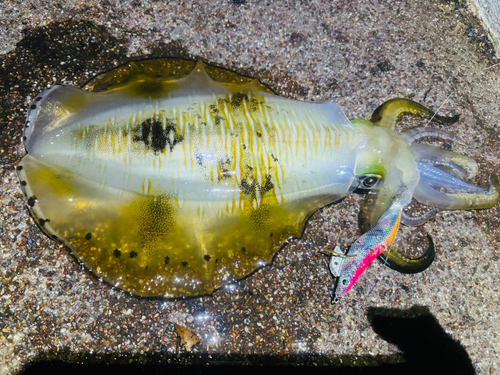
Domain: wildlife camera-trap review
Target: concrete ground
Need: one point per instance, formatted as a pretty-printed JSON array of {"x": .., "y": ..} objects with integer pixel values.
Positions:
[{"x": 358, "y": 53}]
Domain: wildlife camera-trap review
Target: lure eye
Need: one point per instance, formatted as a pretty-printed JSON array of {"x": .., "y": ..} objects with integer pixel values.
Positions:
[{"x": 369, "y": 181}]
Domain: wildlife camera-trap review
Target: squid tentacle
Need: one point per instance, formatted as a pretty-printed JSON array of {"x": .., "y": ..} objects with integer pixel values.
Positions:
[
  {"x": 439, "y": 179},
  {"x": 387, "y": 114},
  {"x": 411, "y": 135},
  {"x": 425, "y": 194},
  {"x": 401, "y": 263},
  {"x": 461, "y": 165},
  {"x": 452, "y": 168},
  {"x": 404, "y": 264},
  {"x": 416, "y": 221}
]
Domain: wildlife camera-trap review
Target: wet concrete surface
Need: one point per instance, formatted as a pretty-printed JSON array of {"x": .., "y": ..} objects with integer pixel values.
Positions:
[{"x": 357, "y": 53}]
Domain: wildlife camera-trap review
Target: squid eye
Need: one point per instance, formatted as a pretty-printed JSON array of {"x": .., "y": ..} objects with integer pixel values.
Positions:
[{"x": 369, "y": 181}]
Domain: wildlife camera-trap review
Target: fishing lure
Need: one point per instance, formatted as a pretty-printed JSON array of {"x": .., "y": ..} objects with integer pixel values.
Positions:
[{"x": 172, "y": 178}]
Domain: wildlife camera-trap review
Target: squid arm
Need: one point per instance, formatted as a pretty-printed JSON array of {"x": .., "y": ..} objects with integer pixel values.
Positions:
[
  {"x": 416, "y": 221},
  {"x": 398, "y": 262},
  {"x": 462, "y": 197},
  {"x": 388, "y": 113},
  {"x": 393, "y": 258},
  {"x": 459, "y": 165}
]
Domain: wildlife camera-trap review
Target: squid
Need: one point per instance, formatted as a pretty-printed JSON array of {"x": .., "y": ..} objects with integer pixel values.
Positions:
[{"x": 172, "y": 178}]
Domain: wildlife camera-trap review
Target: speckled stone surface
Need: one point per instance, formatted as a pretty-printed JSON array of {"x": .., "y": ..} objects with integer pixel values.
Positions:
[{"x": 359, "y": 53}]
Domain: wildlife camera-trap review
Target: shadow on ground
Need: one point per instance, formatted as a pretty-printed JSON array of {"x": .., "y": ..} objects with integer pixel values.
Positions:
[{"x": 426, "y": 347}]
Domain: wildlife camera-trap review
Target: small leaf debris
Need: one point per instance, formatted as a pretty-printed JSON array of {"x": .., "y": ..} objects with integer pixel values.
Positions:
[{"x": 185, "y": 338}]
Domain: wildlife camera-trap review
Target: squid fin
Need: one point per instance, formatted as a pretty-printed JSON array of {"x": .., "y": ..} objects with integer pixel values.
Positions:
[{"x": 156, "y": 77}]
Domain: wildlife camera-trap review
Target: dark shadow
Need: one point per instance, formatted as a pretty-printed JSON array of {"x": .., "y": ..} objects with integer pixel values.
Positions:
[{"x": 426, "y": 347}]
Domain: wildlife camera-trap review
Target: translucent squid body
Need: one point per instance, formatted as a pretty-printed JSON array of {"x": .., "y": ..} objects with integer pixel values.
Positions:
[{"x": 172, "y": 178}]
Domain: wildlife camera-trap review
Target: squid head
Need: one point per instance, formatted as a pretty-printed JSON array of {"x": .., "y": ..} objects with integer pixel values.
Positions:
[{"x": 394, "y": 169}]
